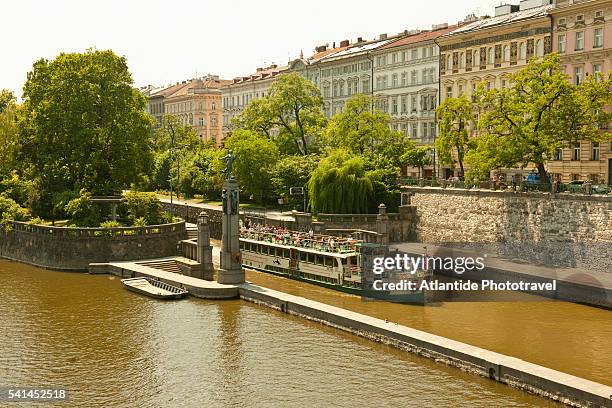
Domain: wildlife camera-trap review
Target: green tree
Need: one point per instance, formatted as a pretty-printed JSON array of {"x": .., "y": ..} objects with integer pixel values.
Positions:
[
  {"x": 83, "y": 125},
  {"x": 293, "y": 108},
  {"x": 340, "y": 185},
  {"x": 7, "y": 99},
  {"x": 203, "y": 172},
  {"x": 538, "y": 114},
  {"x": 364, "y": 130},
  {"x": 417, "y": 156},
  {"x": 454, "y": 118},
  {"x": 9, "y": 135},
  {"x": 255, "y": 157},
  {"x": 292, "y": 171},
  {"x": 173, "y": 146},
  {"x": 11, "y": 211}
]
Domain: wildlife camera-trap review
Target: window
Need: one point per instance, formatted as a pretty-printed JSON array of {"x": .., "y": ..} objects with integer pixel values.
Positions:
[
  {"x": 213, "y": 121},
  {"x": 355, "y": 90},
  {"x": 595, "y": 151},
  {"x": 341, "y": 88},
  {"x": 413, "y": 77},
  {"x": 201, "y": 122},
  {"x": 490, "y": 55},
  {"x": 432, "y": 129},
  {"x": 213, "y": 106},
  {"x": 461, "y": 89},
  {"x": 576, "y": 151},
  {"x": 424, "y": 131},
  {"x": 539, "y": 48},
  {"x": 384, "y": 82},
  {"x": 414, "y": 130},
  {"x": 598, "y": 38},
  {"x": 462, "y": 60},
  {"x": 394, "y": 106},
  {"x": 394, "y": 80},
  {"x": 404, "y": 104},
  {"x": 449, "y": 62},
  {"x": 522, "y": 51},
  {"x": 558, "y": 155},
  {"x": 413, "y": 104},
  {"x": 561, "y": 42},
  {"x": 575, "y": 177},
  {"x": 393, "y": 58},
  {"x": 597, "y": 71},
  {"x": 578, "y": 75},
  {"x": 365, "y": 86},
  {"x": 404, "y": 55},
  {"x": 414, "y": 54},
  {"x": 506, "y": 54},
  {"x": 579, "y": 41},
  {"x": 449, "y": 91},
  {"x": 404, "y": 78}
]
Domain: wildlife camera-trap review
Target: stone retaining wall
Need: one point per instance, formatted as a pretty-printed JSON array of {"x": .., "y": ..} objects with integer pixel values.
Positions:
[
  {"x": 73, "y": 249},
  {"x": 190, "y": 214},
  {"x": 559, "y": 230}
]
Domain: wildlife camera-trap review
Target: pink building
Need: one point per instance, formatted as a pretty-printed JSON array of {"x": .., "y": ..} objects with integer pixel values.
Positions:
[{"x": 582, "y": 35}]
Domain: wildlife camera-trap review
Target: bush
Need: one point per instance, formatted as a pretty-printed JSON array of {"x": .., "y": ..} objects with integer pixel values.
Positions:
[
  {"x": 11, "y": 211},
  {"x": 20, "y": 190},
  {"x": 111, "y": 224},
  {"x": 82, "y": 211},
  {"x": 138, "y": 204}
]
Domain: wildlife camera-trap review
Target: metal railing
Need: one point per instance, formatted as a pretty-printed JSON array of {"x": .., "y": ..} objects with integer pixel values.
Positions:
[{"x": 74, "y": 232}]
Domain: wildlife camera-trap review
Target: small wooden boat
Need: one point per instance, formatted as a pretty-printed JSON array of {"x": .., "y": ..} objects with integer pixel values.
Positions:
[{"x": 154, "y": 288}]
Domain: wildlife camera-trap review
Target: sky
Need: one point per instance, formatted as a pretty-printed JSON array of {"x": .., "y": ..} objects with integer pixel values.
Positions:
[{"x": 173, "y": 40}]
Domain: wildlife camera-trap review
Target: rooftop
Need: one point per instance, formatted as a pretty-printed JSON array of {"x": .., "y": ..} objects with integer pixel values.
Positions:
[{"x": 505, "y": 19}]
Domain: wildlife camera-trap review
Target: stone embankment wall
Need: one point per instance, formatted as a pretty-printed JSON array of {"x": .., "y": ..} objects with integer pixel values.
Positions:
[
  {"x": 565, "y": 230},
  {"x": 73, "y": 249}
]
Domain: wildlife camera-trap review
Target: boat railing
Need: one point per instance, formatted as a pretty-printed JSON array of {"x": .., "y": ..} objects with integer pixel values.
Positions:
[{"x": 322, "y": 243}]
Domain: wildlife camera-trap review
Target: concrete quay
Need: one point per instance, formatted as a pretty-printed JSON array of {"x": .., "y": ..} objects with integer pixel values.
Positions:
[
  {"x": 548, "y": 383},
  {"x": 593, "y": 288}
]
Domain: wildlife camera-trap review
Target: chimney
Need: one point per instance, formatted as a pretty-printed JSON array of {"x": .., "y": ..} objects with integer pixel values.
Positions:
[
  {"x": 382, "y": 36},
  {"x": 320, "y": 48},
  {"x": 359, "y": 39},
  {"x": 344, "y": 43},
  {"x": 259, "y": 69},
  {"x": 334, "y": 44}
]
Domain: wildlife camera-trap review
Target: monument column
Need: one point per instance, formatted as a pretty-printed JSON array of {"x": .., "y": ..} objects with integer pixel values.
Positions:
[
  {"x": 204, "y": 248},
  {"x": 231, "y": 260}
]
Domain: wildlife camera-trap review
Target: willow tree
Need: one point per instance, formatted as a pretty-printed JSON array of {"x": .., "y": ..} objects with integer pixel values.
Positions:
[
  {"x": 454, "y": 118},
  {"x": 340, "y": 185}
]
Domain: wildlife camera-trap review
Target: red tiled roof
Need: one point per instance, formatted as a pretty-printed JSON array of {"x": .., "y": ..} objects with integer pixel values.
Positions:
[{"x": 422, "y": 36}]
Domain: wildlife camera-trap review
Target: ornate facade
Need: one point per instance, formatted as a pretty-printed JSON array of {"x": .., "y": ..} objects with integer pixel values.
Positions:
[
  {"x": 241, "y": 91},
  {"x": 196, "y": 103},
  {"x": 582, "y": 35}
]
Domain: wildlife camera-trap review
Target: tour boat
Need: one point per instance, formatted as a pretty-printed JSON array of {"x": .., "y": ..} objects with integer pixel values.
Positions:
[
  {"x": 154, "y": 288},
  {"x": 329, "y": 261}
]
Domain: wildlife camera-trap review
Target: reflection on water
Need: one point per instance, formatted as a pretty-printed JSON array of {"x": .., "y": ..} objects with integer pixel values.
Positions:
[
  {"x": 111, "y": 347},
  {"x": 565, "y": 336}
]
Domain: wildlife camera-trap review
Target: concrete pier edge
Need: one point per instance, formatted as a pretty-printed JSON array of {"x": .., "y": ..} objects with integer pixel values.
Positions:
[{"x": 535, "y": 379}]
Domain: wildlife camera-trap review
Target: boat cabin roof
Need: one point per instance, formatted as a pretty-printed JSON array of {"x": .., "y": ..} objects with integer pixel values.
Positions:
[{"x": 342, "y": 255}]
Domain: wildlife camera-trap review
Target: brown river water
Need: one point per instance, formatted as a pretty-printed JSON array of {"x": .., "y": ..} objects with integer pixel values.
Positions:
[{"x": 112, "y": 348}]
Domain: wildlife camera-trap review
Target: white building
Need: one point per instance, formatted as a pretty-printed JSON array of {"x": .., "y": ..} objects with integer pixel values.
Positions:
[
  {"x": 406, "y": 82},
  {"x": 242, "y": 90}
]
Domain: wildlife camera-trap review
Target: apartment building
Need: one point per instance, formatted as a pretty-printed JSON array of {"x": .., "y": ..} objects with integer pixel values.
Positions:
[
  {"x": 406, "y": 82},
  {"x": 582, "y": 35},
  {"x": 196, "y": 102},
  {"x": 237, "y": 94}
]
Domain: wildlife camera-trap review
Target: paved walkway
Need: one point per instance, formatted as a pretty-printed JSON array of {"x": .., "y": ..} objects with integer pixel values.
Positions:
[
  {"x": 573, "y": 275},
  {"x": 195, "y": 203}
]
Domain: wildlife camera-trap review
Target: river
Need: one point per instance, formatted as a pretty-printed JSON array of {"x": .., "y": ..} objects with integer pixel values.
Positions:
[{"x": 110, "y": 347}]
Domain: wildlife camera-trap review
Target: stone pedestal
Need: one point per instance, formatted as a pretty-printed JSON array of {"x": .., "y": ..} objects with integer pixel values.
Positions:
[
  {"x": 231, "y": 260},
  {"x": 204, "y": 253}
]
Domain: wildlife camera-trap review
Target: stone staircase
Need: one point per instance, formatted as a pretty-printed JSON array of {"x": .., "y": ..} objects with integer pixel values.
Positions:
[{"x": 168, "y": 265}]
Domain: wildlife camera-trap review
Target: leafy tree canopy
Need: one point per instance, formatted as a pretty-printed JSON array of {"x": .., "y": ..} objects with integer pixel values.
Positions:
[
  {"x": 539, "y": 113},
  {"x": 83, "y": 124},
  {"x": 290, "y": 114},
  {"x": 256, "y": 155},
  {"x": 454, "y": 119}
]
